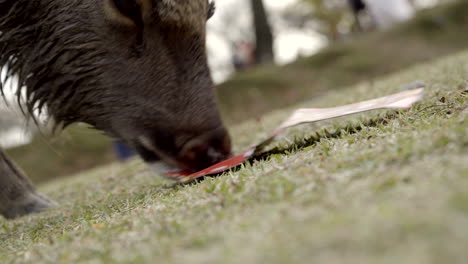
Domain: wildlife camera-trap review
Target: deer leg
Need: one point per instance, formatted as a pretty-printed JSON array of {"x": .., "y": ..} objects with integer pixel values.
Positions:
[{"x": 17, "y": 194}]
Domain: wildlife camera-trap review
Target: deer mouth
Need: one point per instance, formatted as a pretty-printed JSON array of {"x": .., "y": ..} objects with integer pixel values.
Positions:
[{"x": 194, "y": 154}]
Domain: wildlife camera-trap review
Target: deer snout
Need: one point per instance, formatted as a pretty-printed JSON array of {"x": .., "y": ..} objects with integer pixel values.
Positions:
[
  {"x": 206, "y": 150},
  {"x": 196, "y": 152}
]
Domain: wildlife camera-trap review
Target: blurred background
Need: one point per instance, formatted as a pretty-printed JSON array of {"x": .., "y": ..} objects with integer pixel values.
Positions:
[{"x": 265, "y": 55}]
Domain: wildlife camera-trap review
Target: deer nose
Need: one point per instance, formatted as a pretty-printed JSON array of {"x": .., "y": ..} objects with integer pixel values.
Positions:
[{"x": 206, "y": 150}]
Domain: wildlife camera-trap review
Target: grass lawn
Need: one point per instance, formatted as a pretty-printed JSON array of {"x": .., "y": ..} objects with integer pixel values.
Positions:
[{"x": 386, "y": 187}]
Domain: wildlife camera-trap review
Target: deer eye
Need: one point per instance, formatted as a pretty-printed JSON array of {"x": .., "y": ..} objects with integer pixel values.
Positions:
[
  {"x": 130, "y": 9},
  {"x": 211, "y": 9}
]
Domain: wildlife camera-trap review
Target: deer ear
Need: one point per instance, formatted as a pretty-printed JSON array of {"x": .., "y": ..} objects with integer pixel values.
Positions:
[
  {"x": 211, "y": 9},
  {"x": 128, "y": 11}
]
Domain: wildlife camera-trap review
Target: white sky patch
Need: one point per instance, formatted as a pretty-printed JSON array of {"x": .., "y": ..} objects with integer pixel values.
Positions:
[
  {"x": 218, "y": 56},
  {"x": 15, "y": 137},
  {"x": 9, "y": 88},
  {"x": 292, "y": 44}
]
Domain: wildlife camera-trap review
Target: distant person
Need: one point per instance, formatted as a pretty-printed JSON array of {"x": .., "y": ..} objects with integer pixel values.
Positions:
[
  {"x": 244, "y": 56},
  {"x": 122, "y": 151},
  {"x": 357, "y": 7}
]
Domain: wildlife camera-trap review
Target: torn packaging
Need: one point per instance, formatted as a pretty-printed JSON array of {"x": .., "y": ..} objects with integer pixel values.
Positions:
[{"x": 402, "y": 100}]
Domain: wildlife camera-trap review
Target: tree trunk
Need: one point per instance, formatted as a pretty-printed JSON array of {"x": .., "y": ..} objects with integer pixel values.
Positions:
[{"x": 263, "y": 34}]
